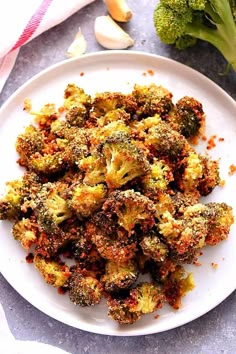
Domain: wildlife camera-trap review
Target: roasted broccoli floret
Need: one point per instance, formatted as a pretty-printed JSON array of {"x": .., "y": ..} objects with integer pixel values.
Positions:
[
  {"x": 113, "y": 245},
  {"x": 220, "y": 218},
  {"x": 50, "y": 208},
  {"x": 124, "y": 161},
  {"x": 177, "y": 285},
  {"x": 84, "y": 199},
  {"x": 165, "y": 142},
  {"x": 152, "y": 100},
  {"x": 25, "y": 231},
  {"x": 54, "y": 273},
  {"x": 84, "y": 290},
  {"x": 152, "y": 247},
  {"x": 28, "y": 143},
  {"x": 119, "y": 277},
  {"x": 158, "y": 179},
  {"x": 183, "y": 22},
  {"x": 94, "y": 167},
  {"x": 131, "y": 208},
  {"x": 192, "y": 169},
  {"x": 185, "y": 237},
  {"x": 46, "y": 115},
  {"x": 143, "y": 299},
  {"x": 115, "y": 115},
  {"x": 75, "y": 96},
  {"x": 210, "y": 175}
]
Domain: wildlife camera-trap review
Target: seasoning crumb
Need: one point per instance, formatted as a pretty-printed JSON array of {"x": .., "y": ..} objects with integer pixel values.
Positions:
[
  {"x": 81, "y": 74},
  {"x": 214, "y": 265},
  {"x": 29, "y": 258},
  {"x": 232, "y": 169},
  {"x": 150, "y": 72},
  {"x": 197, "y": 264},
  {"x": 156, "y": 317},
  {"x": 221, "y": 139},
  {"x": 211, "y": 142},
  {"x": 222, "y": 183}
]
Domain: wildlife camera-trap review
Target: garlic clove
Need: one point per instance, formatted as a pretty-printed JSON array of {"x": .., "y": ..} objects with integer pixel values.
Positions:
[
  {"x": 119, "y": 10},
  {"x": 110, "y": 35},
  {"x": 78, "y": 46}
]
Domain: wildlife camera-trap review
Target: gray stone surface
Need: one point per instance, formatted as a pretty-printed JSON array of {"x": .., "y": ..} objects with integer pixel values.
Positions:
[{"x": 214, "y": 332}]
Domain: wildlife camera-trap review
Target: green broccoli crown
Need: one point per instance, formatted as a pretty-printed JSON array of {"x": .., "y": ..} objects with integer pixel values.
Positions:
[{"x": 182, "y": 22}]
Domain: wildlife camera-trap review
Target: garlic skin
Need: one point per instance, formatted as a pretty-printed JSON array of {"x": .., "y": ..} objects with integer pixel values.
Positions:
[
  {"x": 119, "y": 10},
  {"x": 110, "y": 35},
  {"x": 78, "y": 46}
]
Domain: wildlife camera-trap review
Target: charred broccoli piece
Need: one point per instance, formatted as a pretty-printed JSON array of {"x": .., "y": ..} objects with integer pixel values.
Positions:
[
  {"x": 84, "y": 199},
  {"x": 25, "y": 231},
  {"x": 220, "y": 216},
  {"x": 185, "y": 237},
  {"x": 124, "y": 161},
  {"x": 152, "y": 100},
  {"x": 210, "y": 175},
  {"x": 119, "y": 277},
  {"x": 178, "y": 285},
  {"x": 54, "y": 273},
  {"x": 165, "y": 142},
  {"x": 117, "y": 246},
  {"x": 84, "y": 290},
  {"x": 50, "y": 207},
  {"x": 153, "y": 247},
  {"x": 143, "y": 299},
  {"x": 131, "y": 208},
  {"x": 29, "y": 143}
]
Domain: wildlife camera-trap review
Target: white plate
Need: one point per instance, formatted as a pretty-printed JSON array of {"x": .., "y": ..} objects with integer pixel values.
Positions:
[{"x": 119, "y": 70}]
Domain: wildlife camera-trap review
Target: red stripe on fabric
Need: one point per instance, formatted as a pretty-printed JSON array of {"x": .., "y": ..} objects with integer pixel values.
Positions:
[{"x": 33, "y": 24}]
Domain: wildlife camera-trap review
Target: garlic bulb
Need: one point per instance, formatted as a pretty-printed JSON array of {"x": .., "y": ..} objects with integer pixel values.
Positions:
[
  {"x": 119, "y": 10},
  {"x": 110, "y": 35}
]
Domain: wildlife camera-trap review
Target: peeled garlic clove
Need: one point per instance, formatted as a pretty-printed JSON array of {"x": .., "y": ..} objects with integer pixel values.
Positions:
[
  {"x": 110, "y": 35},
  {"x": 119, "y": 10},
  {"x": 78, "y": 46}
]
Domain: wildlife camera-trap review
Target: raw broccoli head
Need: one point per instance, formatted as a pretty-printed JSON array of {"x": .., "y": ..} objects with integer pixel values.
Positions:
[
  {"x": 124, "y": 161},
  {"x": 119, "y": 277},
  {"x": 182, "y": 22}
]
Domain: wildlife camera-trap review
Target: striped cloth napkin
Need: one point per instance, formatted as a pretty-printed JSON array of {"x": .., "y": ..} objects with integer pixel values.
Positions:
[{"x": 21, "y": 21}]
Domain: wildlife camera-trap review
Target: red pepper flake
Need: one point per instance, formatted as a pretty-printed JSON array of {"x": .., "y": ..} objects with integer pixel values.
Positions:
[
  {"x": 156, "y": 317},
  {"x": 221, "y": 139},
  {"x": 81, "y": 74},
  {"x": 204, "y": 138},
  {"x": 197, "y": 264},
  {"x": 232, "y": 169},
  {"x": 214, "y": 265},
  {"x": 29, "y": 258}
]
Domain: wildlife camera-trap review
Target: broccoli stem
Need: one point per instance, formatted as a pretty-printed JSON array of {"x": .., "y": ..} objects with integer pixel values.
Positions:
[{"x": 223, "y": 37}]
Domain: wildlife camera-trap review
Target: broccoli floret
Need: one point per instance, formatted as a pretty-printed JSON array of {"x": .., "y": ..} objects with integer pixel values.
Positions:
[
  {"x": 210, "y": 175},
  {"x": 124, "y": 161},
  {"x": 28, "y": 143},
  {"x": 192, "y": 172},
  {"x": 25, "y": 231},
  {"x": 152, "y": 100},
  {"x": 119, "y": 277},
  {"x": 47, "y": 114},
  {"x": 115, "y": 115},
  {"x": 166, "y": 143},
  {"x": 185, "y": 237},
  {"x": 152, "y": 247},
  {"x": 119, "y": 310},
  {"x": 177, "y": 285},
  {"x": 116, "y": 246},
  {"x": 189, "y": 116},
  {"x": 98, "y": 135},
  {"x": 94, "y": 167},
  {"x": 84, "y": 290},
  {"x": 84, "y": 199},
  {"x": 76, "y": 116},
  {"x": 182, "y": 22},
  {"x": 75, "y": 96},
  {"x": 220, "y": 217},
  {"x": 131, "y": 208},
  {"x": 53, "y": 272},
  {"x": 50, "y": 208},
  {"x": 158, "y": 179}
]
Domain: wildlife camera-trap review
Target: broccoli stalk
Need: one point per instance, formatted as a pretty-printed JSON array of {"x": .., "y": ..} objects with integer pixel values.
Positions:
[{"x": 182, "y": 22}]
